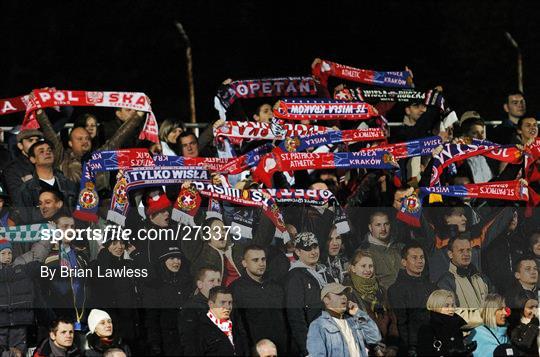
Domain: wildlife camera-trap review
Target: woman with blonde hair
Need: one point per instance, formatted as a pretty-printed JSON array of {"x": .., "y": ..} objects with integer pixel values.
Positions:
[
  {"x": 371, "y": 297},
  {"x": 169, "y": 131},
  {"x": 443, "y": 335},
  {"x": 491, "y": 336}
]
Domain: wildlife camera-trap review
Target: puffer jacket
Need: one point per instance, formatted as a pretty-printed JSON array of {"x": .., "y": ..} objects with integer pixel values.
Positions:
[{"x": 17, "y": 294}]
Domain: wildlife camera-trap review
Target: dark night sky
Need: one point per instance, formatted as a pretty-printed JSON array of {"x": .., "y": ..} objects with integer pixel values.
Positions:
[{"x": 134, "y": 45}]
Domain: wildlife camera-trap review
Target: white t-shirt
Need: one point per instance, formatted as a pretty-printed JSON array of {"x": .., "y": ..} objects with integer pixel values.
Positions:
[{"x": 354, "y": 349}]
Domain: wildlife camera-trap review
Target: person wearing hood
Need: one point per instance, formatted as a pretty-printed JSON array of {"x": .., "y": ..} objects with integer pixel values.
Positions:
[
  {"x": 102, "y": 335},
  {"x": 408, "y": 297},
  {"x": 163, "y": 295},
  {"x": 384, "y": 250},
  {"x": 117, "y": 294},
  {"x": 443, "y": 334},
  {"x": 305, "y": 280}
]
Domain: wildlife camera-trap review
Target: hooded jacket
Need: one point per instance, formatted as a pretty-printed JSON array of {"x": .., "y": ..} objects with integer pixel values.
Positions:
[{"x": 303, "y": 300}]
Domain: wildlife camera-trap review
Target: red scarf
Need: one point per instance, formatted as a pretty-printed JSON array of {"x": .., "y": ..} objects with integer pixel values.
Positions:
[
  {"x": 46, "y": 98},
  {"x": 224, "y": 325}
]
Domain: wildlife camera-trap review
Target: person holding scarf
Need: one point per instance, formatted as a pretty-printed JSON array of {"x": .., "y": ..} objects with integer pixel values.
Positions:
[{"x": 372, "y": 298}]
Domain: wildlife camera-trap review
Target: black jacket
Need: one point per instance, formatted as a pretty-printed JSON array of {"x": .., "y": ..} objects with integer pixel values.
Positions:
[
  {"x": 524, "y": 338},
  {"x": 261, "y": 310},
  {"x": 16, "y": 173},
  {"x": 408, "y": 297},
  {"x": 193, "y": 311},
  {"x": 442, "y": 336},
  {"x": 499, "y": 259},
  {"x": 212, "y": 341},
  {"x": 303, "y": 304},
  {"x": 28, "y": 198},
  {"x": 517, "y": 294},
  {"x": 45, "y": 350},
  {"x": 96, "y": 348},
  {"x": 17, "y": 294},
  {"x": 163, "y": 297}
]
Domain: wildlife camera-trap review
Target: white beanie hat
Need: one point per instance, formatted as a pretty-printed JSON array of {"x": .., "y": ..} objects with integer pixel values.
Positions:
[{"x": 95, "y": 317}]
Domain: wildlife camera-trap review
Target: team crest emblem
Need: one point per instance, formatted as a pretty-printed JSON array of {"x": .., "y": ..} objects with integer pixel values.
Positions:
[
  {"x": 188, "y": 199},
  {"x": 411, "y": 204},
  {"x": 291, "y": 144},
  {"x": 388, "y": 158},
  {"x": 88, "y": 198},
  {"x": 120, "y": 191},
  {"x": 94, "y": 97}
]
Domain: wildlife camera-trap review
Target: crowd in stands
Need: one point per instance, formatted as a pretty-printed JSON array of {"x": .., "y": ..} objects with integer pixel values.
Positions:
[{"x": 461, "y": 282}]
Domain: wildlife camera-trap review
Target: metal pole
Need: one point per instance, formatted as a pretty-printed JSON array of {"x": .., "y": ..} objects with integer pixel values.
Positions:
[
  {"x": 519, "y": 60},
  {"x": 189, "y": 72}
]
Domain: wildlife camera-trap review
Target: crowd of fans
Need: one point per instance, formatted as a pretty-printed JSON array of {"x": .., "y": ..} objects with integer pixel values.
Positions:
[{"x": 463, "y": 283}]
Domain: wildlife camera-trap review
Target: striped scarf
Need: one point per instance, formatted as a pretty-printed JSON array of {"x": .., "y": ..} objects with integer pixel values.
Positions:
[{"x": 224, "y": 325}]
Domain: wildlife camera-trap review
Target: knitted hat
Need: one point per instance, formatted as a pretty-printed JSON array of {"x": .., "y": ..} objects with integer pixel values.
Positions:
[
  {"x": 27, "y": 134},
  {"x": 171, "y": 252},
  {"x": 4, "y": 244},
  {"x": 157, "y": 203},
  {"x": 95, "y": 317}
]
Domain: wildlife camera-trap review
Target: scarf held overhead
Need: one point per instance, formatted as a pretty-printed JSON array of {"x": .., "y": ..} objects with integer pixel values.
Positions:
[
  {"x": 323, "y": 109},
  {"x": 325, "y": 69},
  {"x": 46, "y": 98}
]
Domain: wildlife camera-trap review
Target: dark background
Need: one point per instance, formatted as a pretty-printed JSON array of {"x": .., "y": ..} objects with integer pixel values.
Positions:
[{"x": 135, "y": 46}]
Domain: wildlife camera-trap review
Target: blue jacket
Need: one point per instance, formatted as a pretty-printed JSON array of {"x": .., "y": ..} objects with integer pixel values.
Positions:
[
  {"x": 325, "y": 339},
  {"x": 485, "y": 340}
]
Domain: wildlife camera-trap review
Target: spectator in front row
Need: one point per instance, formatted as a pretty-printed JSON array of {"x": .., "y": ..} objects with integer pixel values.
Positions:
[
  {"x": 372, "y": 298},
  {"x": 265, "y": 348},
  {"x": 59, "y": 342},
  {"x": 305, "y": 280},
  {"x": 408, "y": 296},
  {"x": 523, "y": 327},
  {"x": 492, "y": 333},
  {"x": 102, "y": 335},
  {"x": 219, "y": 335},
  {"x": 343, "y": 329},
  {"x": 443, "y": 335}
]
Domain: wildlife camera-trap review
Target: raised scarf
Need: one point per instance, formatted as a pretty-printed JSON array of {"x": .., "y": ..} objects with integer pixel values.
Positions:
[
  {"x": 237, "y": 131},
  {"x": 13, "y": 105},
  {"x": 325, "y": 69},
  {"x": 24, "y": 233},
  {"x": 261, "y": 88},
  {"x": 452, "y": 153},
  {"x": 187, "y": 203},
  {"x": 323, "y": 109},
  {"x": 141, "y": 177},
  {"x": 46, "y": 98},
  {"x": 411, "y": 207},
  {"x": 291, "y": 161},
  {"x": 429, "y": 97},
  {"x": 301, "y": 143},
  {"x": 418, "y": 147}
]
